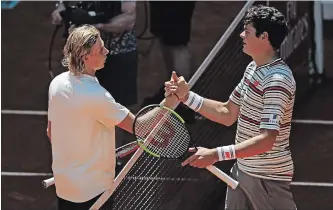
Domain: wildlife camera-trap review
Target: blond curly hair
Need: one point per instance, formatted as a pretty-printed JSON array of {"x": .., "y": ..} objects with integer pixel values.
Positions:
[{"x": 79, "y": 43}]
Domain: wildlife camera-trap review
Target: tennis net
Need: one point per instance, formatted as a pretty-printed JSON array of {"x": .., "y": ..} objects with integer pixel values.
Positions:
[{"x": 163, "y": 184}]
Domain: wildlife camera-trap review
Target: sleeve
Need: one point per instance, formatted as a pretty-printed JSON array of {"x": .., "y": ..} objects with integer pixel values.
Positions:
[
  {"x": 236, "y": 93},
  {"x": 278, "y": 91},
  {"x": 107, "y": 111},
  {"x": 49, "y": 105}
]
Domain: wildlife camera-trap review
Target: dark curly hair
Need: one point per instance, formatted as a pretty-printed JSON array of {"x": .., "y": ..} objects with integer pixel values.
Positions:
[{"x": 269, "y": 19}]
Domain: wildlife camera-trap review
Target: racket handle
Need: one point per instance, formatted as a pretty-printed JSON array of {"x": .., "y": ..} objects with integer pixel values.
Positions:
[
  {"x": 223, "y": 176},
  {"x": 48, "y": 182}
]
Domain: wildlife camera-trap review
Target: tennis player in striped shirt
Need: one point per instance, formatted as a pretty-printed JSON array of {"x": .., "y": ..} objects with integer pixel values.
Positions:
[{"x": 262, "y": 104}]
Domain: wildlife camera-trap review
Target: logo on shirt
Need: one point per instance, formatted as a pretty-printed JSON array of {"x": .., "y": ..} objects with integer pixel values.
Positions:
[
  {"x": 273, "y": 118},
  {"x": 256, "y": 83}
]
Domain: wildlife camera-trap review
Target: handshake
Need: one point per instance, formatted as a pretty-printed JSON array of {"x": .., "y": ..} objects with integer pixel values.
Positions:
[
  {"x": 178, "y": 90},
  {"x": 178, "y": 87}
]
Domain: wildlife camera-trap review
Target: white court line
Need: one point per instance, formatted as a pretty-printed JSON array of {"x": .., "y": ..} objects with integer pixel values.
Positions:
[
  {"x": 31, "y": 112},
  {"x": 23, "y": 112},
  {"x": 307, "y": 184},
  {"x": 317, "y": 122},
  {"x": 312, "y": 184},
  {"x": 24, "y": 174}
]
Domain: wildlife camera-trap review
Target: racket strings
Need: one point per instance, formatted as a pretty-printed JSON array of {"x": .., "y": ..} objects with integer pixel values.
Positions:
[{"x": 167, "y": 137}]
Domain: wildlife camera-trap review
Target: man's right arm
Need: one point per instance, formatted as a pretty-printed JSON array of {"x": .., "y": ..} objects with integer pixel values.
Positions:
[
  {"x": 110, "y": 113},
  {"x": 225, "y": 113},
  {"x": 219, "y": 112},
  {"x": 107, "y": 111},
  {"x": 128, "y": 121}
]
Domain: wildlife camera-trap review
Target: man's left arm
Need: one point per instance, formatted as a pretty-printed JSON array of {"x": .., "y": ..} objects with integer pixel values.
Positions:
[
  {"x": 278, "y": 93},
  {"x": 256, "y": 145},
  {"x": 124, "y": 21}
]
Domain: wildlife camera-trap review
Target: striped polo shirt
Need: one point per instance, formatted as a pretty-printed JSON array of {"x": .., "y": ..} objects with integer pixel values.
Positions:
[{"x": 266, "y": 97}]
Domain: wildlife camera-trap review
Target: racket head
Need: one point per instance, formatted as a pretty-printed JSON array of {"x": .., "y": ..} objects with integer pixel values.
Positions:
[{"x": 161, "y": 132}]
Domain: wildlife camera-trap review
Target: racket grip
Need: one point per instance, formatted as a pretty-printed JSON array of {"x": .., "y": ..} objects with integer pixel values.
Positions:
[
  {"x": 48, "y": 182},
  {"x": 223, "y": 176}
]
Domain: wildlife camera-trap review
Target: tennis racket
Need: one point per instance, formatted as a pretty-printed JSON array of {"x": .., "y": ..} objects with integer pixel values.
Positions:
[
  {"x": 162, "y": 133},
  {"x": 121, "y": 152}
]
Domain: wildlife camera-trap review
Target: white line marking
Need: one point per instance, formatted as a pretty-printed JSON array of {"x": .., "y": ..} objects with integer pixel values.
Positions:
[
  {"x": 308, "y": 184},
  {"x": 312, "y": 184},
  {"x": 23, "y": 112},
  {"x": 24, "y": 174},
  {"x": 317, "y": 122}
]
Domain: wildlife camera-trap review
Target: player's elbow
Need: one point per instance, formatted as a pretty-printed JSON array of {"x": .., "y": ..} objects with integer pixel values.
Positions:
[
  {"x": 232, "y": 111},
  {"x": 225, "y": 117}
]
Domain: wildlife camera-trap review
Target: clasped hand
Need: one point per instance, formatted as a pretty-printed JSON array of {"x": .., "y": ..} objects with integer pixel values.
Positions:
[
  {"x": 177, "y": 86},
  {"x": 202, "y": 157}
]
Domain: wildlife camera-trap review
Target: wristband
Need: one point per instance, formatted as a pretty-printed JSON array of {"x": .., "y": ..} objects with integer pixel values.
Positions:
[
  {"x": 226, "y": 152},
  {"x": 194, "y": 101}
]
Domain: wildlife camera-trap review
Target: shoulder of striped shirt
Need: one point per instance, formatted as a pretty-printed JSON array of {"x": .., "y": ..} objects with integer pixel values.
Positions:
[
  {"x": 250, "y": 67},
  {"x": 279, "y": 72}
]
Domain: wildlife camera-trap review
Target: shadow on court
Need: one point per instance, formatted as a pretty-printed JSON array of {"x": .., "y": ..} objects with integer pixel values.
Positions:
[{"x": 26, "y": 35}]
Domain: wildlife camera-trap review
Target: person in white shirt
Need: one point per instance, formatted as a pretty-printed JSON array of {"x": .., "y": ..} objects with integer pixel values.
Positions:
[{"x": 82, "y": 116}]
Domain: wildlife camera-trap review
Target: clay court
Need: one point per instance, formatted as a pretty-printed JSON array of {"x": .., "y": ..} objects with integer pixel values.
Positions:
[{"x": 26, "y": 35}]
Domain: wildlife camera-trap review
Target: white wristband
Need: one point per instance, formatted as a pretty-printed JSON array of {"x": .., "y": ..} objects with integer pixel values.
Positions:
[
  {"x": 194, "y": 101},
  {"x": 226, "y": 152}
]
